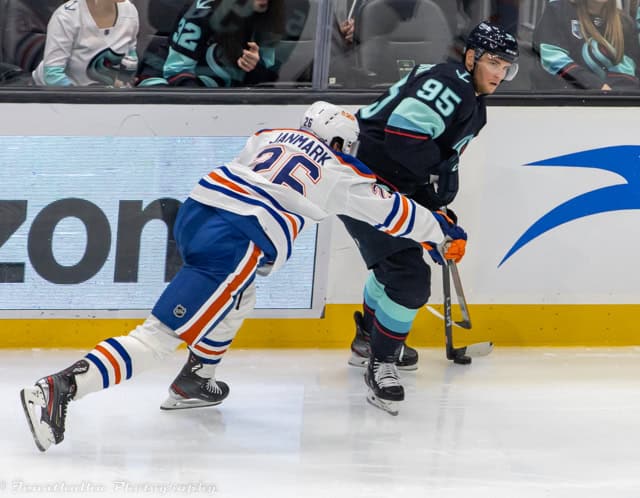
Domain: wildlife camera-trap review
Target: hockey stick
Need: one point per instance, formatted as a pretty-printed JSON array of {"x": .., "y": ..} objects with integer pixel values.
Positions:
[
  {"x": 437, "y": 314},
  {"x": 461, "y": 355},
  {"x": 353, "y": 6},
  {"x": 462, "y": 302},
  {"x": 465, "y": 323}
]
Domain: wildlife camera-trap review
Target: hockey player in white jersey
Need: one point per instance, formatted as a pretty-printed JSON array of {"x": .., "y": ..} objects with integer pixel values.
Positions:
[
  {"x": 239, "y": 219},
  {"x": 90, "y": 44}
]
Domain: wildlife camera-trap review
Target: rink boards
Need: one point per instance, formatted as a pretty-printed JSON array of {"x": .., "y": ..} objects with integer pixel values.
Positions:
[{"x": 549, "y": 197}]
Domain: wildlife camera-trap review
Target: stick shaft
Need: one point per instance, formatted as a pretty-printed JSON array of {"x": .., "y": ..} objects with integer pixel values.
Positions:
[
  {"x": 457, "y": 284},
  {"x": 353, "y": 6},
  {"x": 446, "y": 295}
]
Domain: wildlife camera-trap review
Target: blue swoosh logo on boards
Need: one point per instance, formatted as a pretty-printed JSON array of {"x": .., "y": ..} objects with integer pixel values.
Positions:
[{"x": 624, "y": 160}]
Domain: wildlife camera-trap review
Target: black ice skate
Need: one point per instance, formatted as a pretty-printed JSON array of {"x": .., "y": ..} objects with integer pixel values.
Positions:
[
  {"x": 189, "y": 390},
  {"x": 385, "y": 390},
  {"x": 51, "y": 395},
  {"x": 361, "y": 350}
]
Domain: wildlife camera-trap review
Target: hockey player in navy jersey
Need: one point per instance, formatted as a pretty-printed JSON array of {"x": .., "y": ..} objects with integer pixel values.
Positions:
[
  {"x": 239, "y": 219},
  {"x": 412, "y": 138}
]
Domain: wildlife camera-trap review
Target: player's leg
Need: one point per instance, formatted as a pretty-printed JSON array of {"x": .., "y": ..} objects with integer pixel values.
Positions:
[
  {"x": 398, "y": 288},
  {"x": 220, "y": 263},
  {"x": 109, "y": 363},
  {"x": 375, "y": 246},
  {"x": 196, "y": 385}
]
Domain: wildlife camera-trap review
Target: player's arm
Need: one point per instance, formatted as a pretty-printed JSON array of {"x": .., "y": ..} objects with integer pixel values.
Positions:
[
  {"x": 61, "y": 31},
  {"x": 399, "y": 216},
  {"x": 356, "y": 194},
  {"x": 132, "y": 51},
  {"x": 430, "y": 106}
]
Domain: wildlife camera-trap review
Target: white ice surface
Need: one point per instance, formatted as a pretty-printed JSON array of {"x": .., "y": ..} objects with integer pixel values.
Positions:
[{"x": 519, "y": 423}]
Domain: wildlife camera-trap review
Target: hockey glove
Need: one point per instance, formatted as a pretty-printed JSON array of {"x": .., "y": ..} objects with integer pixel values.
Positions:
[
  {"x": 455, "y": 242},
  {"x": 444, "y": 189}
]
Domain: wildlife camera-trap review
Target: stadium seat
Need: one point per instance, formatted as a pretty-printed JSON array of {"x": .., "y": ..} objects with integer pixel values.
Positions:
[
  {"x": 394, "y": 35},
  {"x": 294, "y": 53},
  {"x": 3, "y": 5},
  {"x": 24, "y": 31},
  {"x": 450, "y": 10}
]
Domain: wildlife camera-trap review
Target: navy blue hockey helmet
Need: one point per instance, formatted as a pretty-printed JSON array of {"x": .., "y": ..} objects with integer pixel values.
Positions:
[{"x": 494, "y": 39}]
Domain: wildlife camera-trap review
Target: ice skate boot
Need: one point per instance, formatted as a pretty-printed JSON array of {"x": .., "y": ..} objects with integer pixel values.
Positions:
[
  {"x": 385, "y": 390},
  {"x": 50, "y": 394},
  {"x": 189, "y": 390},
  {"x": 361, "y": 350}
]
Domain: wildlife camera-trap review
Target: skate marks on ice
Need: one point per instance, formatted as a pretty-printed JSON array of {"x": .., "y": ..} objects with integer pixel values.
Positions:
[{"x": 521, "y": 422}]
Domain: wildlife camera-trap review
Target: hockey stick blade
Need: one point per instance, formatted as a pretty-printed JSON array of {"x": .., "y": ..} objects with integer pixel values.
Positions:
[
  {"x": 479, "y": 349},
  {"x": 464, "y": 354},
  {"x": 463, "y": 324}
]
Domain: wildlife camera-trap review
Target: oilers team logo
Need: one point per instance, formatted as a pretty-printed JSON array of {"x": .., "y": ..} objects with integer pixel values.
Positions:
[
  {"x": 623, "y": 160},
  {"x": 179, "y": 311}
]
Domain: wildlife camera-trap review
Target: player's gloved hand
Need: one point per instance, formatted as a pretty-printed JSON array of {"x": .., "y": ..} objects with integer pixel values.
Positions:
[
  {"x": 455, "y": 242},
  {"x": 443, "y": 187}
]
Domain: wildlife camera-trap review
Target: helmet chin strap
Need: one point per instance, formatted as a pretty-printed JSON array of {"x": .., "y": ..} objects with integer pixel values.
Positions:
[{"x": 477, "y": 53}]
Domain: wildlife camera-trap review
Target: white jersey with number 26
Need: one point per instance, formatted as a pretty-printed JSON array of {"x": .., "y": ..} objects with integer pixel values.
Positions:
[{"x": 288, "y": 178}]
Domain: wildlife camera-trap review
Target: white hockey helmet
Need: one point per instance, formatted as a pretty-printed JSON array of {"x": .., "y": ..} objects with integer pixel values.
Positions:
[{"x": 332, "y": 124}]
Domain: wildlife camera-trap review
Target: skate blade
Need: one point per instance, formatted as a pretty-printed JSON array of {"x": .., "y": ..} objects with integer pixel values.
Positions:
[
  {"x": 31, "y": 398},
  {"x": 391, "y": 407},
  {"x": 358, "y": 361},
  {"x": 180, "y": 403},
  {"x": 407, "y": 368}
]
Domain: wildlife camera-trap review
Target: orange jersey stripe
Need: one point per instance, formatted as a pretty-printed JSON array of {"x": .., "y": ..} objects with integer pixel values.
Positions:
[
  {"x": 294, "y": 225},
  {"x": 405, "y": 214},
  {"x": 227, "y": 183},
  {"x": 355, "y": 170},
  {"x": 237, "y": 188}
]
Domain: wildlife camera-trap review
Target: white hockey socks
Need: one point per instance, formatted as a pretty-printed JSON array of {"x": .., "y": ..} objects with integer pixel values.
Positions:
[{"x": 118, "y": 358}]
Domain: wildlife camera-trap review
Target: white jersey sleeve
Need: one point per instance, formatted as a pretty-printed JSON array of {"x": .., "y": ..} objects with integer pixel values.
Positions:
[
  {"x": 288, "y": 179},
  {"x": 359, "y": 196},
  {"x": 62, "y": 32}
]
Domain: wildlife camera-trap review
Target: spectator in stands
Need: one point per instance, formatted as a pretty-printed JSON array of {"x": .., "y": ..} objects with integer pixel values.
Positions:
[
  {"x": 90, "y": 42},
  {"x": 506, "y": 13},
  {"x": 588, "y": 44},
  {"x": 224, "y": 44},
  {"x": 342, "y": 69}
]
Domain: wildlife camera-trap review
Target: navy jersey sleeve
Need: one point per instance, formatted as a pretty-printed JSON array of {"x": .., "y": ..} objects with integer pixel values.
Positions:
[{"x": 435, "y": 100}]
